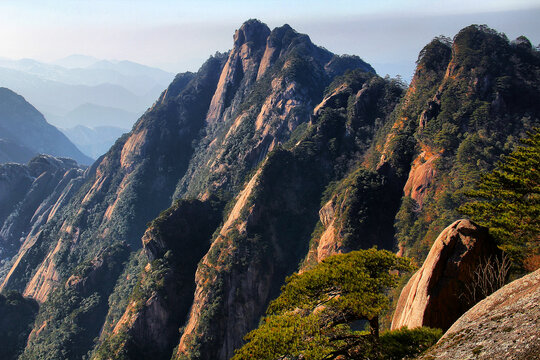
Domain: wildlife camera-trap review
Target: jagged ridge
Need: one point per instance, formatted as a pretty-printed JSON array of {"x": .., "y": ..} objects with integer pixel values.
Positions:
[{"x": 257, "y": 128}]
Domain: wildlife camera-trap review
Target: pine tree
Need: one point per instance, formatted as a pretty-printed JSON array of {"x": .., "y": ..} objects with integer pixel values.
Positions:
[
  {"x": 318, "y": 310},
  {"x": 507, "y": 201}
]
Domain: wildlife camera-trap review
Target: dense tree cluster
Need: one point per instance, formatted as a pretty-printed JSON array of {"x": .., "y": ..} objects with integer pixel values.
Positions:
[{"x": 507, "y": 201}]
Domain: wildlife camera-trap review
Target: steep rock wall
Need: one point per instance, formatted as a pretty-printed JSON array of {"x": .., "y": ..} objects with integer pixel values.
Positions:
[
  {"x": 251, "y": 254},
  {"x": 174, "y": 244},
  {"x": 124, "y": 189}
]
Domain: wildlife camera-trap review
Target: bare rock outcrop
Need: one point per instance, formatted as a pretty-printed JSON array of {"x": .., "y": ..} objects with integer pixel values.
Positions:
[
  {"x": 433, "y": 295},
  {"x": 240, "y": 70},
  {"x": 147, "y": 162},
  {"x": 421, "y": 176},
  {"x": 505, "y": 325}
]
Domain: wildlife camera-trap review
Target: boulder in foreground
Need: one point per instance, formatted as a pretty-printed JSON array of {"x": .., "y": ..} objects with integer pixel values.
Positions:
[{"x": 434, "y": 296}]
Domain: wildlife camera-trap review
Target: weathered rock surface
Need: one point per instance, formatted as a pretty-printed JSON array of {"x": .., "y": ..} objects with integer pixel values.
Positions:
[
  {"x": 505, "y": 325},
  {"x": 433, "y": 295},
  {"x": 240, "y": 70},
  {"x": 269, "y": 85},
  {"x": 125, "y": 189},
  {"x": 207, "y": 134},
  {"x": 94, "y": 274},
  {"x": 209, "y": 128},
  {"x": 345, "y": 229},
  {"x": 252, "y": 254},
  {"x": 421, "y": 176}
]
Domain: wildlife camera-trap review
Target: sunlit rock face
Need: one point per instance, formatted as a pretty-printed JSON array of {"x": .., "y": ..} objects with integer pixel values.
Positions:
[{"x": 435, "y": 294}]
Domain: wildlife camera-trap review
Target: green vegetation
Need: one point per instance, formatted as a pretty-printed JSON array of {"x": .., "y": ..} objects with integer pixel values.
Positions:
[
  {"x": 17, "y": 316},
  {"x": 121, "y": 344},
  {"x": 287, "y": 196},
  {"x": 507, "y": 201},
  {"x": 317, "y": 312},
  {"x": 359, "y": 213},
  {"x": 407, "y": 343},
  {"x": 175, "y": 242},
  {"x": 477, "y": 113},
  {"x": 395, "y": 139},
  {"x": 73, "y": 314},
  {"x": 74, "y": 319},
  {"x": 236, "y": 147},
  {"x": 119, "y": 299},
  {"x": 470, "y": 102}
]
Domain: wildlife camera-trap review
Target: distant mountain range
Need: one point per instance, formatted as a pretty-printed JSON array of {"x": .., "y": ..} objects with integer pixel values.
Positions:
[
  {"x": 94, "y": 141},
  {"x": 24, "y": 133},
  {"x": 92, "y": 115},
  {"x": 137, "y": 78},
  {"x": 82, "y": 90},
  {"x": 76, "y": 61}
]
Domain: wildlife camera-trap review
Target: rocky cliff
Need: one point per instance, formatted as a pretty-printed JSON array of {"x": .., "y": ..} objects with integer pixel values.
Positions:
[
  {"x": 174, "y": 243},
  {"x": 269, "y": 86},
  {"x": 462, "y": 111},
  {"x": 120, "y": 193},
  {"x": 109, "y": 205},
  {"x": 251, "y": 254},
  {"x": 502, "y": 326},
  {"x": 204, "y": 134}
]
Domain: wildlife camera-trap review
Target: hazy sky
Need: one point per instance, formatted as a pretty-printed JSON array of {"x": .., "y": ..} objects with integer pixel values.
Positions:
[{"x": 180, "y": 35}]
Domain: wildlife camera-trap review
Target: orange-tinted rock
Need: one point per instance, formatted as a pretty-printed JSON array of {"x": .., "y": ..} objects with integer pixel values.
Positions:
[
  {"x": 421, "y": 177},
  {"x": 433, "y": 295}
]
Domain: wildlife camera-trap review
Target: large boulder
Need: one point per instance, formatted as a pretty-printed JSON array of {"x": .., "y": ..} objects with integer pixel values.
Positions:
[
  {"x": 435, "y": 294},
  {"x": 505, "y": 325}
]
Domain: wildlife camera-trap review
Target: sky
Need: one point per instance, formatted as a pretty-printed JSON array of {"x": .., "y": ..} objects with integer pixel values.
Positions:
[{"x": 178, "y": 35}]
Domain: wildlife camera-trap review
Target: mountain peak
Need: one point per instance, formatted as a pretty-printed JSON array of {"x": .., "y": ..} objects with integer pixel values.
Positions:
[{"x": 252, "y": 30}]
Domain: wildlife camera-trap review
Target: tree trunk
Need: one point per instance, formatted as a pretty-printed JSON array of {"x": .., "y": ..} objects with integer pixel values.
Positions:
[{"x": 374, "y": 326}]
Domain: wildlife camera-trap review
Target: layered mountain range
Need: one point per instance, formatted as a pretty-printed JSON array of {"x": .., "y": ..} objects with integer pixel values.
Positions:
[
  {"x": 75, "y": 86},
  {"x": 272, "y": 157},
  {"x": 85, "y": 97},
  {"x": 24, "y": 133}
]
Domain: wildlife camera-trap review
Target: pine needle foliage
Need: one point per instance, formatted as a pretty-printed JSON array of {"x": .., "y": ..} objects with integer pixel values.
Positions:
[
  {"x": 317, "y": 311},
  {"x": 507, "y": 201}
]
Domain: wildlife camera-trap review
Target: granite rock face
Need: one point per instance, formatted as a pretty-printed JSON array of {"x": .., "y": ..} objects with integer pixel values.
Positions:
[
  {"x": 433, "y": 295},
  {"x": 505, "y": 325}
]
